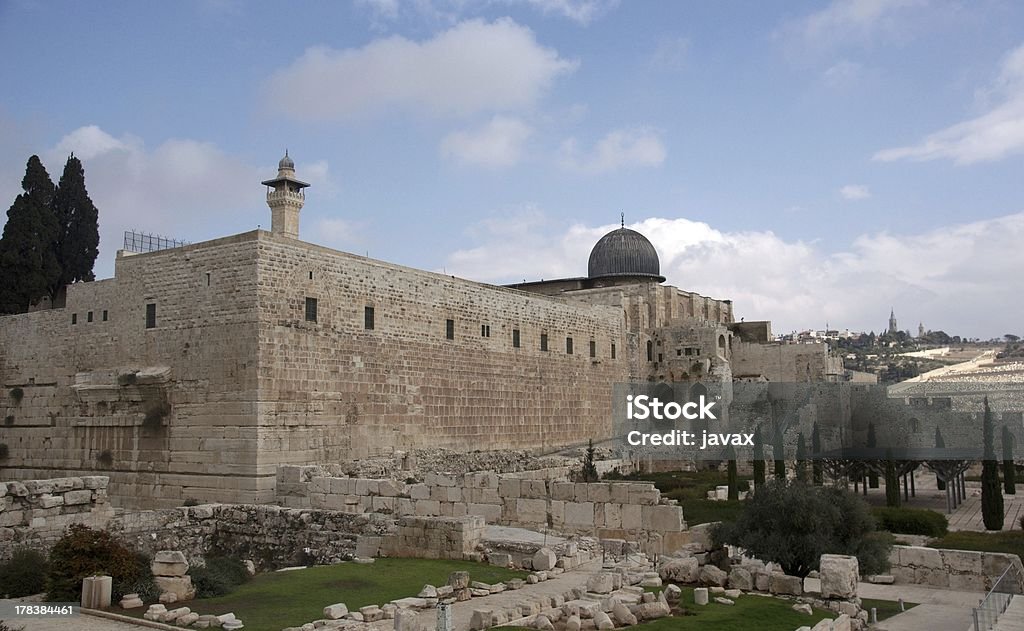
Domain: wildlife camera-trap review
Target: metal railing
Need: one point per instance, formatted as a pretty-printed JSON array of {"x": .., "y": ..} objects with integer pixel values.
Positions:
[
  {"x": 141, "y": 242},
  {"x": 997, "y": 599}
]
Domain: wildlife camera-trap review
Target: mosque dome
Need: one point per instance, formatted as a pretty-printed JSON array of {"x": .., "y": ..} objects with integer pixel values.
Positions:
[
  {"x": 286, "y": 162},
  {"x": 624, "y": 252}
]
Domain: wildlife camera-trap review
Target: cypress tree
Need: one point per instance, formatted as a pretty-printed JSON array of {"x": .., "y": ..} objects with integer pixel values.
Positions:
[
  {"x": 801, "y": 458},
  {"x": 872, "y": 443},
  {"x": 1009, "y": 469},
  {"x": 892, "y": 484},
  {"x": 733, "y": 477},
  {"x": 940, "y": 484},
  {"x": 991, "y": 495},
  {"x": 28, "y": 264},
  {"x": 817, "y": 475},
  {"x": 759, "y": 463},
  {"x": 78, "y": 237},
  {"x": 780, "y": 456}
]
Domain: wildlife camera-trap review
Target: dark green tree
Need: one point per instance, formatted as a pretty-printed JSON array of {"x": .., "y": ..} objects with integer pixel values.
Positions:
[
  {"x": 78, "y": 235},
  {"x": 817, "y": 474},
  {"x": 759, "y": 463},
  {"x": 1009, "y": 469},
  {"x": 28, "y": 264},
  {"x": 793, "y": 524},
  {"x": 992, "y": 512},
  {"x": 589, "y": 473},
  {"x": 940, "y": 484},
  {"x": 872, "y": 443},
  {"x": 892, "y": 483},
  {"x": 733, "y": 476},
  {"x": 801, "y": 458},
  {"x": 779, "y": 453}
]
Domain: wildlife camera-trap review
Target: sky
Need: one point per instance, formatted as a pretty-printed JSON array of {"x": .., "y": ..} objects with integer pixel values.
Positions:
[{"x": 815, "y": 162}]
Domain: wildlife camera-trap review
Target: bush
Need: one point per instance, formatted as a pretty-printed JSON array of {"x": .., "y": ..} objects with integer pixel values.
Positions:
[
  {"x": 24, "y": 574},
  {"x": 911, "y": 521},
  {"x": 794, "y": 523},
  {"x": 220, "y": 576},
  {"x": 83, "y": 552},
  {"x": 17, "y": 394},
  {"x": 4, "y": 451}
]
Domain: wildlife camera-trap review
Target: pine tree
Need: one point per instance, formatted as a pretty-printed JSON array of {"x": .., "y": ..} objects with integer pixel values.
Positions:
[
  {"x": 780, "y": 456},
  {"x": 1009, "y": 468},
  {"x": 892, "y": 483},
  {"x": 801, "y": 458},
  {"x": 992, "y": 512},
  {"x": 940, "y": 484},
  {"x": 817, "y": 475},
  {"x": 589, "y": 473},
  {"x": 28, "y": 265},
  {"x": 759, "y": 463},
  {"x": 872, "y": 443},
  {"x": 78, "y": 237},
  {"x": 733, "y": 476}
]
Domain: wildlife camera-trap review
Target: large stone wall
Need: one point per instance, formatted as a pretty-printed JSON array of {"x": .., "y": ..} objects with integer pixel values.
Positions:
[
  {"x": 610, "y": 509},
  {"x": 961, "y": 570},
  {"x": 435, "y": 537},
  {"x": 35, "y": 513},
  {"x": 785, "y": 363}
]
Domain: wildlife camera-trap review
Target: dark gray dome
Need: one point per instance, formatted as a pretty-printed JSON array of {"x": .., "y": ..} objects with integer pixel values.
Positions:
[
  {"x": 286, "y": 162},
  {"x": 624, "y": 252}
]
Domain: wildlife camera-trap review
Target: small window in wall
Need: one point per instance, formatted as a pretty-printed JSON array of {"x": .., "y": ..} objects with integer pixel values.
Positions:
[
  {"x": 310, "y": 275},
  {"x": 151, "y": 315},
  {"x": 74, "y": 318},
  {"x": 485, "y": 330},
  {"x": 515, "y": 338},
  {"x": 568, "y": 346},
  {"x": 689, "y": 352},
  {"x": 679, "y": 352},
  {"x": 367, "y": 317},
  {"x": 207, "y": 279},
  {"x": 88, "y": 317},
  {"x": 311, "y": 307},
  {"x": 543, "y": 341},
  {"x": 613, "y": 350},
  {"x": 696, "y": 351},
  {"x": 449, "y": 329},
  {"x": 650, "y": 351},
  {"x": 104, "y": 315},
  {"x": 593, "y": 348},
  {"x": 661, "y": 357}
]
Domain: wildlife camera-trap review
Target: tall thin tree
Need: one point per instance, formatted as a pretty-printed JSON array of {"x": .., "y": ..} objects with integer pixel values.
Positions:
[
  {"x": 817, "y": 474},
  {"x": 940, "y": 484},
  {"x": 78, "y": 237},
  {"x": 1009, "y": 468},
  {"x": 992, "y": 511},
  {"x": 759, "y": 463},
  {"x": 28, "y": 265}
]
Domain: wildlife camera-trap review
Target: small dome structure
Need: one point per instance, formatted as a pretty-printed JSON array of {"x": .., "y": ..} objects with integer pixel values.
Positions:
[
  {"x": 286, "y": 162},
  {"x": 624, "y": 252}
]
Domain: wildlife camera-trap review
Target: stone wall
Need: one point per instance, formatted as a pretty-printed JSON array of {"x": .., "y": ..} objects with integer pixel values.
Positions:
[
  {"x": 785, "y": 363},
  {"x": 435, "y": 537},
  {"x": 35, "y": 513},
  {"x": 611, "y": 509},
  {"x": 954, "y": 569}
]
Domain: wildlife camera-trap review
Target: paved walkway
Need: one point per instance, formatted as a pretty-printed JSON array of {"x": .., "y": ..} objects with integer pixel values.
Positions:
[
  {"x": 1013, "y": 618},
  {"x": 78, "y": 622},
  {"x": 937, "y": 609}
]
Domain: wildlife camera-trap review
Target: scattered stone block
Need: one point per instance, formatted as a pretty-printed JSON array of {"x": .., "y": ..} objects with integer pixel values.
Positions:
[
  {"x": 785, "y": 585},
  {"x": 803, "y": 608},
  {"x": 543, "y": 623},
  {"x": 544, "y": 559},
  {"x": 680, "y": 570},
  {"x": 336, "y": 611},
  {"x": 155, "y": 612},
  {"x": 839, "y": 575},
  {"x": 603, "y": 622},
  {"x": 652, "y": 611},
  {"x": 187, "y": 619},
  {"x": 710, "y": 575},
  {"x": 722, "y": 600},
  {"x": 458, "y": 580},
  {"x": 601, "y": 583},
  {"x": 700, "y": 596},
  {"x": 740, "y": 578}
]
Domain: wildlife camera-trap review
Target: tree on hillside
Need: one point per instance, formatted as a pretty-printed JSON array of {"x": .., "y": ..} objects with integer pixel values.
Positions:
[
  {"x": 1009, "y": 468},
  {"x": 992, "y": 512},
  {"x": 801, "y": 458},
  {"x": 759, "y": 463},
  {"x": 28, "y": 264},
  {"x": 78, "y": 237},
  {"x": 793, "y": 524},
  {"x": 589, "y": 471},
  {"x": 892, "y": 482},
  {"x": 779, "y": 453},
  {"x": 817, "y": 473},
  {"x": 732, "y": 476}
]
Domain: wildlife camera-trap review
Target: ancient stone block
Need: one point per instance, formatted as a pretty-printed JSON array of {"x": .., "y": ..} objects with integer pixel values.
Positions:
[
  {"x": 779, "y": 583},
  {"x": 662, "y": 518},
  {"x": 920, "y": 557},
  {"x": 579, "y": 514},
  {"x": 508, "y": 488},
  {"x": 544, "y": 559},
  {"x": 740, "y": 578},
  {"x": 839, "y": 576},
  {"x": 632, "y": 517}
]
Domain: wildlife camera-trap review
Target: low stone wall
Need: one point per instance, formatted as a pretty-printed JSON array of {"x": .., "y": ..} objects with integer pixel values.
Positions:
[
  {"x": 435, "y": 537},
  {"x": 955, "y": 569},
  {"x": 609, "y": 509},
  {"x": 35, "y": 513}
]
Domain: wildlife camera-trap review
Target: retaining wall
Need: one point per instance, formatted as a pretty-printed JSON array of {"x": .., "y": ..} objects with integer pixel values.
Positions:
[{"x": 954, "y": 569}]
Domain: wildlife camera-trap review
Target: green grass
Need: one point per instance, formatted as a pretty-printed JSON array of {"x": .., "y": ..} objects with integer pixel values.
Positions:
[
  {"x": 275, "y": 600},
  {"x": 691, "y": 488},
  {"x": 885, "y": 608},
  {"x": 1010, "y": 541},
  {"x": 760, "y": 612}
]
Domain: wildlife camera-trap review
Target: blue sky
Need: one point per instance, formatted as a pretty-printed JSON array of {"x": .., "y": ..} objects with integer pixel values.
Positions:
[{"x": 812, "y": 161}]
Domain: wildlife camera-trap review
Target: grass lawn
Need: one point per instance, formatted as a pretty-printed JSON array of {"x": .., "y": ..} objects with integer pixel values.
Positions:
[
  {"x": 885, "y": 608},
  {"x": 275, "y": 600},
  {"x": 1011, "y": 541},
  {"x": 691, "y": 489},
  {"x": 750, "y": 612}
]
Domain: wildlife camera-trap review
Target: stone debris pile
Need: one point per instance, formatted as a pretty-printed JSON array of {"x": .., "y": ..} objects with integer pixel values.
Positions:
[{"x": 185, "y": 617}]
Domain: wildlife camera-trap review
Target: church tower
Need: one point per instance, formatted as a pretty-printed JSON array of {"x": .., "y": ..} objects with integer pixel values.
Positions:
[
  {"x": 285, "y": 198},
  {"x": 892, "y": 321}
]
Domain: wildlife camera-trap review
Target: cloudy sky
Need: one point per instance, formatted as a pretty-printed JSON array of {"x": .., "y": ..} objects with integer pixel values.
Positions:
[{"x": 815, "y": 162}]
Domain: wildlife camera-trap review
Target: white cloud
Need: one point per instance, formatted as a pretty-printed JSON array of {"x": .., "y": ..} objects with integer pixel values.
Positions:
[
  {"x": 474, "y": 66},
  {"x": 994, "y": 135},
  {"x": 499, "y": 143},
  {"x": 581, "y": 11},
  {"x": 381, "y": 9},
  {"x": 942, "y": 277},
  {"x": 844, "y": 21},
  {"x": 842, "y": 74},
  {"x": 621, "y": 148},
  {"x": 854, "y": 192}
]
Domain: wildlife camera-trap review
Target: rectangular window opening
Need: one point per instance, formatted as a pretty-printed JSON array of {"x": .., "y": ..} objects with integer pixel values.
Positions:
[
  {"x": 74, "y": 318},
  {"x": 368, "y": 318},
  {"x": 88, "y": 317},
  {"x": 104, "y": 315},
  {"x": 207, "y": 279},
  {"x": 613, "y": 351},
  {"x": 449, "y": 329},
  {"x": 151, "y": 315},
  {"x": 485, "y": 330},
  {"x": 515, "y": 338},
  {"x": 593, "y": 348},
  {"x": 568, "y": 346},
  {"x": 543, "y": 341},
  {"x": 311, "y": 308}
]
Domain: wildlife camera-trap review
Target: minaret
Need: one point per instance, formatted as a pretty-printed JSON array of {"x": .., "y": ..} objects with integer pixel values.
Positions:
[
  {"x": 285, "y": 198},
  {"x": 920, "y": 329},
  {"x": 892, "y": 321}
]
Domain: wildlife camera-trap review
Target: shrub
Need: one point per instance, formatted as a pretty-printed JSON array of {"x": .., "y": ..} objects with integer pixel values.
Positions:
[
  {"x": 4, "y": 451},
  {"x": 155, "y": 415},
  {"x": 9, "y": 419},
  {"x": 83, "y": 552},
  {"x": 24, "y": 574},
  {"x": 912, "y": 521},
  {"x": 105, "y": 458},
  {"x": 17, "y": 394},
  {"x": 127, "y": 379},
  {"x": 220, "y": 576},
  {"x": 793, "y": 524},
  {"x": 191, "y": 501}
]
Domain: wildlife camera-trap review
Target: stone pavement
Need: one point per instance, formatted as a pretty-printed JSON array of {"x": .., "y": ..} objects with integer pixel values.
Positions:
[
  {"x": 937, "y": 609},
  {"x": 78, "y": 622},
  {"x": 968, "y": 515},
  {"x": 1013, "y": 618}
]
